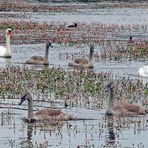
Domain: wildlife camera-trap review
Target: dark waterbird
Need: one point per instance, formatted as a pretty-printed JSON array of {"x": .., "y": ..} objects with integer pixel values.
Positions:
[{"x": 73, "y": 25}]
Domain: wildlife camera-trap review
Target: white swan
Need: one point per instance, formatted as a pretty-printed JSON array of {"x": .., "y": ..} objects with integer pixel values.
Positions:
[
  {"x": 6, "y": 52},
  {"x": 44, "y": 114},
  {"x": 40, "y": 59},
  {"x": 122, "y": 108},
  {"x": 84, "y": 62},
  {"x": 143, "y": 71}
]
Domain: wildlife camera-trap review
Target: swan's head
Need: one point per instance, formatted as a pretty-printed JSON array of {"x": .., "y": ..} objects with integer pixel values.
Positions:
[
  {"x": 110, "y": 85},
  {"x": 48, "y": 44},
  {"x": 25, "y": 97},
  {"x": 91, "y": 48},
  {"x": 8, "y": 32}
]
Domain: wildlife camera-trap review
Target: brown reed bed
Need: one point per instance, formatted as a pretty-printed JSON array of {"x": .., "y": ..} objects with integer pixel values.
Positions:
[
  {"x": 24, "y": 6},
  {"x": 126, "y": 4},
  {"x": 116, "y": 4},
  {"x": 4, "y": 15}
]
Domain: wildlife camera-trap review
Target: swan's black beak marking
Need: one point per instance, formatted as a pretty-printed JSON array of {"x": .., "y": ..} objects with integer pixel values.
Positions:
[
  {"x": 22, "y": 99},
  {"x": 50, "y": 45},
  {"x": 109, "y": 86}
]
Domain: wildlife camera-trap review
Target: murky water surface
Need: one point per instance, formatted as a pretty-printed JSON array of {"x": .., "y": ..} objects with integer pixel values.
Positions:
[{"x": 100, "y": 132}]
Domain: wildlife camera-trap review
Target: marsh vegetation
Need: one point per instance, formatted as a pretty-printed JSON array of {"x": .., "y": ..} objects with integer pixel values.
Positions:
[{"x": 79, "y": 92}]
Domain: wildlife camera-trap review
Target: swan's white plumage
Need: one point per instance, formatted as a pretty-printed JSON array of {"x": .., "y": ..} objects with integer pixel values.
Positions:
[
  {"x": 143, "y": 71},
  {"x": 5, "y": 52}
]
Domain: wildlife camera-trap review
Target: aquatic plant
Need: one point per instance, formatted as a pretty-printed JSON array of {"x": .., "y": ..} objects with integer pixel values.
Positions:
[
  {"x": 74, "y": 87},
  {"x": 117, "y": 50},
  {"x": 99, "y": 33},
  {"x": 32, "y": 7}
]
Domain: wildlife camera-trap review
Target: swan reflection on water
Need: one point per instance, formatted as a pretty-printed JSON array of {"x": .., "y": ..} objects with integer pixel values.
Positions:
[
  {"x": 5, "y": 60},
  {"x": 32, "y": 131},
  {"x": 111, "y": 139}
]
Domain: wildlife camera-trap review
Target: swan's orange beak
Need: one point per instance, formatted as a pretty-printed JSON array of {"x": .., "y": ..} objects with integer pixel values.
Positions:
[{"x": 10, "y": 33}]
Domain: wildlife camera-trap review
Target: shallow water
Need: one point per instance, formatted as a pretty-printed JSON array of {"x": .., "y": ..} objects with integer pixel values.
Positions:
[
  {"x": 111, "y": 16},
  {"x": 84, "y": 133},
  {"x": 113, "y": 133},
  {"x": 87, "y": 13},
  {"x": 22, "y": 52}
]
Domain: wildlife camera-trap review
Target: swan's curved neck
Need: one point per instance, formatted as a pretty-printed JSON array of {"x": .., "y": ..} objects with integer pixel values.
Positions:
[
  {"x": 8, "y": 43},
  {"x": 110, "y": 104},
  {"x": 30, "y": 107},
  {"x": 46, "y": 55}
]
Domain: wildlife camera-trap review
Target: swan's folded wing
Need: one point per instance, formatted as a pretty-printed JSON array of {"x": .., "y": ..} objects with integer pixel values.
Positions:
[
  {"x": 40, "y": 58},
  {"x": 35, "y": 60},
  {"x": 48, "y": 112},
  {"x": 81, "y": 61}
]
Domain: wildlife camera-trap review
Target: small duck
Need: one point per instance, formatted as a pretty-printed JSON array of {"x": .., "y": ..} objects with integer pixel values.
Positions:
[
  {"x": 130, "y": 41},
  {"x": 73, "y": 25}
]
